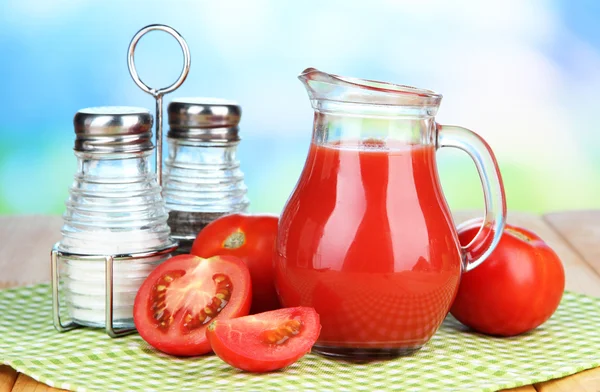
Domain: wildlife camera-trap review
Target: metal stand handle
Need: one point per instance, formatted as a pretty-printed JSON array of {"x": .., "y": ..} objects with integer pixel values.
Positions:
[{"x": 158, "y": 93}]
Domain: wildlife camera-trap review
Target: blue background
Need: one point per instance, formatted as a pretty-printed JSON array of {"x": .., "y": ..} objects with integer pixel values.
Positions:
[{"x": 524, "y": 75}]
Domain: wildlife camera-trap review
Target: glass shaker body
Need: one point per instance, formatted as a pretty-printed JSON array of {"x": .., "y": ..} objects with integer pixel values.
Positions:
[
  {"x": 114, "y": 207},
  {"x": 203, "y": 180}
]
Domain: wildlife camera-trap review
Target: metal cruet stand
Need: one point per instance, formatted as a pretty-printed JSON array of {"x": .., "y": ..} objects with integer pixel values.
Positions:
[{"x": 58, "y": 255}]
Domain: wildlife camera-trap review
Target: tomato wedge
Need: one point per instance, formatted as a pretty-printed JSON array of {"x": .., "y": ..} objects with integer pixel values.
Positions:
[
  {"x": 183, "y": 295},
  {"x": 266, "y": 341}
]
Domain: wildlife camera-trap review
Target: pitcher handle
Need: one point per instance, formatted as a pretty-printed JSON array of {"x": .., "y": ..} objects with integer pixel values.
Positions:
[{"x": 484, "y": 243}]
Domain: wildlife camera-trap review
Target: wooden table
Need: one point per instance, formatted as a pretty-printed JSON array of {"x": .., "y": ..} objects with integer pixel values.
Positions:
[{"x": 25, "y": 243}]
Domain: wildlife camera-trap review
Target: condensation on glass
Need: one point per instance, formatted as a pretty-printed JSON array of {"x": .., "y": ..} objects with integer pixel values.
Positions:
[{"x": 202, "y": 180}]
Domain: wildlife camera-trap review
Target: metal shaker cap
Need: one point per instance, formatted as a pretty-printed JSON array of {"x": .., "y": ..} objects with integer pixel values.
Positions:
[
  {"x": 113, "y": 129},
  {"x": 204, "y": 119}
]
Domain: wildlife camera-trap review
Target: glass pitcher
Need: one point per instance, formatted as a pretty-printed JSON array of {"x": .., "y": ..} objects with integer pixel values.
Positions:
[{"x": 366, "y": 238}]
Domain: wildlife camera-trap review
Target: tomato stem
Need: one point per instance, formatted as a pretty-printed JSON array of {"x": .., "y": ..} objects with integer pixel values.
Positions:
[
  {"x": 235, "y": 240},
  {"x": 518, "y": 234}
]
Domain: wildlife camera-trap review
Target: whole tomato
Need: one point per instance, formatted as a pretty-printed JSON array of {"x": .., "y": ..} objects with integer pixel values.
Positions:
[
  {"x": 515, "y": 290},
  {"x": 252, "y": 239}
]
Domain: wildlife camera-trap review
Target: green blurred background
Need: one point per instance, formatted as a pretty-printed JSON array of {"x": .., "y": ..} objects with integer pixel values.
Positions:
[{"x": 524, "y": 75}]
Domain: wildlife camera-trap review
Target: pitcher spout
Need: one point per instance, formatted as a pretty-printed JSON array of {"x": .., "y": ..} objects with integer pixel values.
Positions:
[
  {"x": 318, "y": 84},
  {"x": 322, "y": 86}
]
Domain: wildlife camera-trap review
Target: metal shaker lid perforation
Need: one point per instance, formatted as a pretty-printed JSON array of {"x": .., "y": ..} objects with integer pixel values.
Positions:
[
  {"x": 113, "y": 129},
  {"x": 204, "y": 119}
]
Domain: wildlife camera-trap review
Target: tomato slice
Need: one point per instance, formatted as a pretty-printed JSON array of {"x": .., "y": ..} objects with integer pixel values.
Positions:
[
  {"x": 183, "y": 295},
  {"x": 266, "y": 341}
]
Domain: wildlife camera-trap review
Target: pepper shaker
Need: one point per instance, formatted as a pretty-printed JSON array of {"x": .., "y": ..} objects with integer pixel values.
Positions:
[{"x": 203, "y": 180}]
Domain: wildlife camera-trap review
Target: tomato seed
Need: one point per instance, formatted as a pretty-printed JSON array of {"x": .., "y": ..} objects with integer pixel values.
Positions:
[
  {"x": 283, "y": 332},
  {"x": 219, "y": 278},
  {"x": 216, "y": 305},
  {"x": 166, "y": 323},
  {"x": 163, "y": 317}
]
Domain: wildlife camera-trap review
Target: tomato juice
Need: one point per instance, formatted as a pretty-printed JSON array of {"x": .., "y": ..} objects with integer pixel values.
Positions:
[{"x": 368, "y": 241}]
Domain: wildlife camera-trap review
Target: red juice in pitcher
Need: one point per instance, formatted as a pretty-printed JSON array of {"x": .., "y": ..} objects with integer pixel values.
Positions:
[
  {"x": 366, "y": 237},
  {"x": 367, "y": 240}
]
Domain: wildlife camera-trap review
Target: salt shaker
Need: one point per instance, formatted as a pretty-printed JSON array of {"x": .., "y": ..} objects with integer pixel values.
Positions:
[
  {"x": 115, "y": 228},
  {"x": 203, "y": 180},
  {"x": 115, "y": 210}
]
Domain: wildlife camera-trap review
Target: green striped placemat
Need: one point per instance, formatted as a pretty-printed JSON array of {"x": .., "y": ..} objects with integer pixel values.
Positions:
[{"x": 454, "y": 360}]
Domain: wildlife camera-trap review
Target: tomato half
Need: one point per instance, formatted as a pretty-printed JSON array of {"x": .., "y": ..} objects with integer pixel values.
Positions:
[
  {"x": 515, "y": 290},
  {"x": 265, "y": 341},
  {"x": 183, "y": 295},
  {"x": 252, "y": 239}
]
